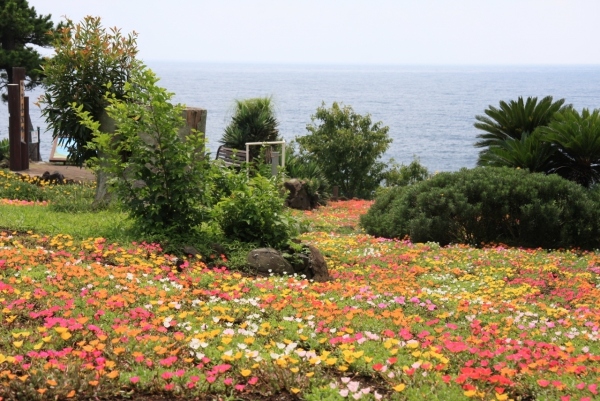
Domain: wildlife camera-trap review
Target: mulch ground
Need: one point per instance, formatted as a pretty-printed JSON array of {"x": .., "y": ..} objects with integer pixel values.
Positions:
[{"x": 69, "y": 172}]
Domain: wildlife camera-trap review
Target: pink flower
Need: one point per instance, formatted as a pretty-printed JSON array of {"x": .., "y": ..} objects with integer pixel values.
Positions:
[
  {"x": 228, "y": 381},
  {"x": 240, "y": 387},
  {"x": 222, "y": 368},
  {"x": 253, "y": 381},
  {"x": 180, "y": 373},
  {"x": 169, "y": 386},
  {"x": 134, "y": 379},
  {"x": 211, "y": 379},
  {"x": 167, "y": 375}
]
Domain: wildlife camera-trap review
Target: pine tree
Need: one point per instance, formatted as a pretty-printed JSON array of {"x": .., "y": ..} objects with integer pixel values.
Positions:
[{"x": 20, "y": 27}]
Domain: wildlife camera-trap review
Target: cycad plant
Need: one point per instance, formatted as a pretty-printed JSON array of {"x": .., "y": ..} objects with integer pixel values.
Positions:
[
  {"x": 576, "y": 138},
  {"x": 253, "y": 121},
  {"x": 529, "y": 152},
  {"x": 512, "y": 120}
]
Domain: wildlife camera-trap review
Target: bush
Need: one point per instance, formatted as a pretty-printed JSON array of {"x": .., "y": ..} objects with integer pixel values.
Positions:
[
  {"x": 251, "y": 210},
  {"x": 402, "y": 174},
  {"x": 347, "y": 148},
  {"x": 489, "y": 205},
  {"x": 160, "y": 178},
  {"x": 4, "y": 149}
]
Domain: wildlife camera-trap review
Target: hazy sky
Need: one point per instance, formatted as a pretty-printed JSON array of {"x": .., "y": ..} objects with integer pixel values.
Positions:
[{"x": 351, "y": 31}]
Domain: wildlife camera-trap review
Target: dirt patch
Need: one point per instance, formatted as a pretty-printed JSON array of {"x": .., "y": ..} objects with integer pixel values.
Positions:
[{"x": 68, "y": 171}]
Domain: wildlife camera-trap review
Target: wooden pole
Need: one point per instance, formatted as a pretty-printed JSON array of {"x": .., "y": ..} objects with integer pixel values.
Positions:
[
  {"x": 25, "y": 134},
  {"x": 17, "y": 121},
  {"x": 14, "y": 127}
]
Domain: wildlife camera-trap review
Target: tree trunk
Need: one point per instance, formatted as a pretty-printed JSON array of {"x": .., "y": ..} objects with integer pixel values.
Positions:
[{"x": 103, "y": 197}]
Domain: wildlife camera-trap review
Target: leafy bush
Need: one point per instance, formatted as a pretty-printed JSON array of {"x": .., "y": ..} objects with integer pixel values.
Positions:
[
  {"x": 402, "y": 175},
  {"x": 251, "y": 210},
  {"x": 347, "y": 147},
  {"x": 159, "y": 177},
  {"x": 489, "y": 205},
  {"x": 4, "y": 149}
]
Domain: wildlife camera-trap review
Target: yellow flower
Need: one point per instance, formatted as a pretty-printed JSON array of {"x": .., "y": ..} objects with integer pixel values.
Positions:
[{"x": 400, "y": 387}]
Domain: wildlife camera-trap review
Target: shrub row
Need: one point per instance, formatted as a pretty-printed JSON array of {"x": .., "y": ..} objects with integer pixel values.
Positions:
[{"x": 489, "y": 205}]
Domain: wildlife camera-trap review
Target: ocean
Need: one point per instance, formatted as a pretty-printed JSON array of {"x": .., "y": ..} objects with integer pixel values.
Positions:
[{"x": 430, "y": 110}]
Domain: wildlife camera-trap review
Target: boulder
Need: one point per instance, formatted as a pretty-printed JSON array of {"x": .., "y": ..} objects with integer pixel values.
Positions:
[
  {"x": 309, "y": 262},
  {"x": 318, "y": 265},
  {"x": 267, "y": 261},
  {"x": 298, "y": 197}
]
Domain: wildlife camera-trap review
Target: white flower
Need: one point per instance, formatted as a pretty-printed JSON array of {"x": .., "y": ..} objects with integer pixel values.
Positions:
[{"x": 194, "y": 344}]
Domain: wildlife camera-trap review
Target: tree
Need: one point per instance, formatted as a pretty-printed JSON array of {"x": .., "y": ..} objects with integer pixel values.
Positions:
[
  {"x": 347, "y": 147},
  {"x": 253, "y": 121},
  {"x": 20, "y": 26},
  {"x": 576, "y": 137},
  {"x": 512, "y": 120},
  {"x": 89, "y": 62}
]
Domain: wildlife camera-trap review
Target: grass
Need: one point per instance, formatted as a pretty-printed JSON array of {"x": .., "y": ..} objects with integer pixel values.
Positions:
[{"x": 93, "y": 319}]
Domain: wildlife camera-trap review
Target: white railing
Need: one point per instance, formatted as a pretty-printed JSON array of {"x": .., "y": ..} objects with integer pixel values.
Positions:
[{"x": 282, "y": 143}]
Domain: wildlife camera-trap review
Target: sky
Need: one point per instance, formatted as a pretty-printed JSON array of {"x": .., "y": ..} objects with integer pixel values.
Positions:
[{"x": 397, "y": 32}]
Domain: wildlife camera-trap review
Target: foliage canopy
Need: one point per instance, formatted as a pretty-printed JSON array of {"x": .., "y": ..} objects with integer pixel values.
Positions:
[
  {"x": 347, "y": 147},
  {"x": 88, "y": 58},
  {"x": 21, "y": 26}
]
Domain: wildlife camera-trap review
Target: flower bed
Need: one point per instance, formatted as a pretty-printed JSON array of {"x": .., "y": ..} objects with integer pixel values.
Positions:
[{"x": 399, "y": 321}]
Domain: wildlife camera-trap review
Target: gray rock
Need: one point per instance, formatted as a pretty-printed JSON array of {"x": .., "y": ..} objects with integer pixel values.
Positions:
[{"x": 266, "y": 261}]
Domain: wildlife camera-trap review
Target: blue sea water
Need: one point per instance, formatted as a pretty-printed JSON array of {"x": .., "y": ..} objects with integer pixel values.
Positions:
[{"x": 430, "y": 110}]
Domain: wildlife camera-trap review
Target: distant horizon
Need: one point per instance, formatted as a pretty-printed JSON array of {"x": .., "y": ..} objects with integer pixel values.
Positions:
[{"x": 299, "y": 63}]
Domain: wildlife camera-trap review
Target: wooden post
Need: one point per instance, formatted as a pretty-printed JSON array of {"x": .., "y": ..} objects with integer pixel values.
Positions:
[
  {"x": 195, "y": 118},
  {"x": 336, "y": 190},
  {"x": 25, "y": 134},
  {"x": 19, "y": 152},
  {"x": 14, "y": 127}
]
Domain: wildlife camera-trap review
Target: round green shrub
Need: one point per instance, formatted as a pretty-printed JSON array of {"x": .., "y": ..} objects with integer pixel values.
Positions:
[{"x": 489, "y": 205}]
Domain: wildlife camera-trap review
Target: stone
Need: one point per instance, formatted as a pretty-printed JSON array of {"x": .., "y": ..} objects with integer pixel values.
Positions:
[
  {"x": 318, "y": 265},
  {"x": 298, "y": 197},
  {"x": 309, "y": 262},
  {"x": 267, "y": 261}
]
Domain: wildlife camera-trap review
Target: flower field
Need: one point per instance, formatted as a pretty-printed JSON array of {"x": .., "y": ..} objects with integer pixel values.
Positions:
[{"x": 399, "y": 321}]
